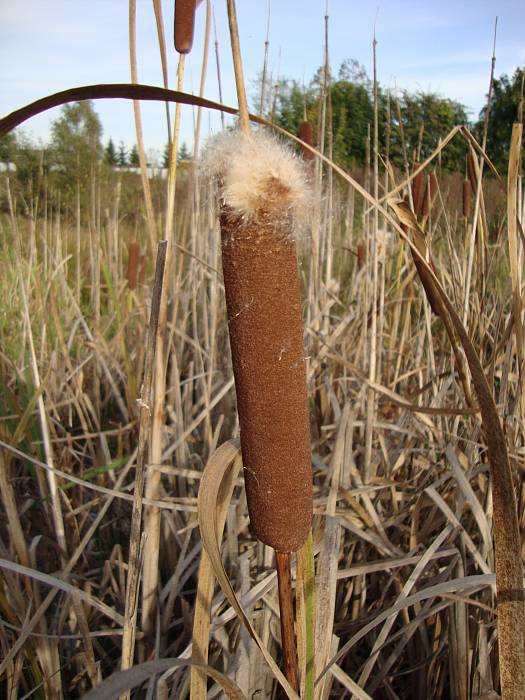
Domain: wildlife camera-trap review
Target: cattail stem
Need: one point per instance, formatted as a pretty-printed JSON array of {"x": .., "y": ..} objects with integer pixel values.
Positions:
[
  {"x": 244, "y": 116},
  {"x": 284, "y": 579}
]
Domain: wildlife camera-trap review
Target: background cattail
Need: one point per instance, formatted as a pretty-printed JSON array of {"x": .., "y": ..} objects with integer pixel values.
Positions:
[
  {"x": 262, "y": 188},
  {"x": 184, "y": 24},
  {"x": 472, "y": 170},
  {"x": 306, "y": 134},
  {"x": 361, "y": 255},
  {"x": 467, "y": 192},
  {"x": 133, "y": 264}
]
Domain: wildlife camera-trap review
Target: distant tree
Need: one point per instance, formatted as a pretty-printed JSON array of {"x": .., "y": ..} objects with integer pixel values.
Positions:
[
  {"x": 122, "y": 155},
  {"x": 507, "y": 92},
  {"x": 134, "y": 158},
  {"x": 76, "y": 145},
  {"x": 27, "y": 157},
  {"x": 110, "y": 154},
  {"x": 184, "y": 153},
  {"x": 8, "y": 147},
  {"x": 425, "y": 117}
]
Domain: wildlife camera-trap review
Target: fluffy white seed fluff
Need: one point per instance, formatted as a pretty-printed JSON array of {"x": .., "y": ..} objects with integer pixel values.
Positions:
[{"x": 257, "y": 173}]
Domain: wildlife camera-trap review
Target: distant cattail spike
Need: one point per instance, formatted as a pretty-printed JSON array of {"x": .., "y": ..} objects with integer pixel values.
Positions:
[
  {"x": 472, "y": 170},
  {"x": 184, "y": 24},
  {"x": 133, "y": 264},
  {"x": 306, "y": 134},
  {"x": 261, "y": 187},
  {"x": 361, "y": 255},
  {"x": 466, "y": 197}
]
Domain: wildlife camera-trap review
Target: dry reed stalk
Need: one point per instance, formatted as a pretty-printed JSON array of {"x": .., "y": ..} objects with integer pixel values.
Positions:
[
  {"x": 478, "y": 189},
  {"x": 374, "y": 350},
  {"x": 418, "y": 190},
  {"x": 265, "y": 63},
  {"x": 150, "y": 217},
  {"x": 218, "y": 66},
  {"x": 204, "y": 68},
  {"x": 513, "y": 188},
  {"x": 157, "y": 8},
  {"x": 133, "y": 577},
  {"x": 153, "y": 514}
]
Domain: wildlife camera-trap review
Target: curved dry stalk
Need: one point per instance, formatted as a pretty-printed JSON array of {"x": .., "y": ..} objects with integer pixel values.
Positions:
[{"x": 150, "y": 217}]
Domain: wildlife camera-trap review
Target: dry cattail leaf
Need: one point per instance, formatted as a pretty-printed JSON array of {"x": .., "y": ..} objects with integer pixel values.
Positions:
[
  {"x": 430, "y": 193},
  {"x": 184, "y": 25},
  {"x": 418, "y": 189}
]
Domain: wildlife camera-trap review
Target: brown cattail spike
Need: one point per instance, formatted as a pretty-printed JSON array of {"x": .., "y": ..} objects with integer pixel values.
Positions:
[
  {"x": 361, "y": 255},
  {"x": 261, "y": 184},
  {"x": 466, "y": 197},
  {"x": 306, "y": 134},
  {"x": 184, "y": 24},
  {"x": 133, "y": 264},
  {"x": 472, "y": 172}
]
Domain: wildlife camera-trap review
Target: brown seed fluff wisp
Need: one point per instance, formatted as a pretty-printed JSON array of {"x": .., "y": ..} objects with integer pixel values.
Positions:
[{"x": 266, "y": 336}]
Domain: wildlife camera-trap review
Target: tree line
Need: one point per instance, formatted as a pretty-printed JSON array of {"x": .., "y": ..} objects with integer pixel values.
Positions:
[
  {"x": 76, "y": 149},
  {"x": 411, "y": 126},
  {"x": 411, "y": 123}
]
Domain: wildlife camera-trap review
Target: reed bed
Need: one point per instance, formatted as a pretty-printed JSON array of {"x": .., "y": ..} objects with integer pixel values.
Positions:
[{"x": 403, "y": 504}]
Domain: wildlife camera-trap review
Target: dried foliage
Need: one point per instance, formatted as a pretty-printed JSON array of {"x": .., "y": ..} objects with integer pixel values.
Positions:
[{"x": 406, "y": 601}]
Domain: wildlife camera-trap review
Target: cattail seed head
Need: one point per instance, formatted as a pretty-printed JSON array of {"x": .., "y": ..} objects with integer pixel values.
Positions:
[
  {"x": 471, "y": 172},
  {"x": 133, "y": 264},
  {"x": 466, "y": 197},
  {"x": 261, "y": 191},
  {"x": 361, "y": 255},
  {"x": 184, "y": 24},
  {"x": 306, "y": 134}
]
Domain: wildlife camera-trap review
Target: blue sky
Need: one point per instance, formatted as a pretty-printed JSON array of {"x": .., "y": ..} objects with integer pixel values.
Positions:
[{"x": 446, "y": 47}]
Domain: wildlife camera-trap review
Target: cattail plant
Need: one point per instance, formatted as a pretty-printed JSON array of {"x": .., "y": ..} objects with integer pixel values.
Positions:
[
  {"x": 306, "y": 134},
  {"x": 467, "y": 195},
  {"x": 262, "y": 193},
  {"x": 133, "y": 264}
]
